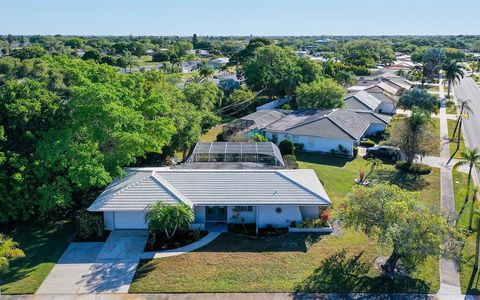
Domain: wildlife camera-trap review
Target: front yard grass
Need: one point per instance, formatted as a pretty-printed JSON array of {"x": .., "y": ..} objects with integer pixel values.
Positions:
[
  {"x": 43, "y": 245},
  {"x": 297, "y": 262},
  {"x": 468, "y": 279},
  {"x": 453, "y": 144},
  {"x": 290, "y": 263},
  {"x": 211, "y": 135}
]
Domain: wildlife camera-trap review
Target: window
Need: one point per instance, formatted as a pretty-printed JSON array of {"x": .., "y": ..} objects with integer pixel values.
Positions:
[
  {"x": 274, "y": 138},
  {"x": 295, "y": 138},
  {"x": 243, "y": 208}
]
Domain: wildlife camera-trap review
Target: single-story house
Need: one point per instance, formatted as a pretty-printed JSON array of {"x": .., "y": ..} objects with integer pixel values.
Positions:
[
  {"x": 393, "y": 80},
  {"x": 264, "y": 197},
  {"x": 387, "y": 94},
  {"x": 362, "y": 100},
  {"x": 252, "y": 123},
  {"x": 323, "y": 130},
  {"x": 189, "y": 66},
  {"x": 316, "y": 130},
  {"x": 218, "y": 62}
]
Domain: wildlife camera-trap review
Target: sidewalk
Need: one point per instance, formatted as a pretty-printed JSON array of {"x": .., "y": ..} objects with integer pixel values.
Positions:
[{"x": 449, "y": 276}]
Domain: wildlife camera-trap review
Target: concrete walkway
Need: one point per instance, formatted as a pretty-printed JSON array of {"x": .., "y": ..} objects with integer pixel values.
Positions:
[
  {"x": 182, "y": 250},
  {"x": 449, "y": 276}
]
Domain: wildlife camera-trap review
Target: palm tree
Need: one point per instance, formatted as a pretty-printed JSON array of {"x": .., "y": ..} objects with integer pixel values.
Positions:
[
  {"x": 168, "y": 218},
  {"x": 374, "y": 164},
  {"x": 130, "y": 61},
  {"x": 453, "y": 74},
  {"x": 206, "y": 72},
  {"x": 474, "y": 199},
  {"x": 465, "y": 110},
  {"x": 470, "y": 158},
  {"x": 195, "y": 79}
]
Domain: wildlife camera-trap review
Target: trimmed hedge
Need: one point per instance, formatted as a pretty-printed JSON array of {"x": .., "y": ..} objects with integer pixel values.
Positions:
[{"x": 415, "y": 168}]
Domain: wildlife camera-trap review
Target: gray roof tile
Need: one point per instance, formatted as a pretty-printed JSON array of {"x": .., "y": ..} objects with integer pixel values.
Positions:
[{"x": 142, "y": 187}]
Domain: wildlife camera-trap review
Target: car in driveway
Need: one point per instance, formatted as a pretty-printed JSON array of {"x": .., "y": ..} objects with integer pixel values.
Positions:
[{"x": 388, "y": 152}]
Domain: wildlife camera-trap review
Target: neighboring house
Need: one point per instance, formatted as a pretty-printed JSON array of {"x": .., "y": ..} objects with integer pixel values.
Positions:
[
  {"x": 362, "y": 100},
  {"x": 393, "y": 80},
  {"x": 228, "y": 76},
  {"x": 386, "y": 94},
  {"x": 320, "y": 130},
  {"x": 317, "y": 130},
  {"x": 218, "y": 62},
  {"x": 189, "y": 66},
  {"x": 252, "y": 123},
  {"x": 371, "y": 100},
  {"x": 378, "y": 122},
  {"x": 264, "y": 197},
  {"x": 302, "y": 53}
]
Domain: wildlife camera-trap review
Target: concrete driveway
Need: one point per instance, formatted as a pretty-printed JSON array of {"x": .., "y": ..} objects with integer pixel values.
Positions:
[{"x": 97, "y": 267}]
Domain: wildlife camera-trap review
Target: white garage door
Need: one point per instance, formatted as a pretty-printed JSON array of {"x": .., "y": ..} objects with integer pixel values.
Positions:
[{"x": 130, "y": 220}]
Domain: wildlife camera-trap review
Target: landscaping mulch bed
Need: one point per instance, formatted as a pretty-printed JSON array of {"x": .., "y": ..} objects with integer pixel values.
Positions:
[
  {"x": 94, "y": 238},
  {"x": 180, "y": 239},
  {"x": 250, "y": 230}
]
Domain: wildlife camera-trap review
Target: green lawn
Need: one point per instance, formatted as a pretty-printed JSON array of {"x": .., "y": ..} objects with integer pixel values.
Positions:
[
  {"x": 43, "y": 245},
  {"x": 211, "y": 135},
  {"x": 291, "y": 263},
  {"x": 146, "y": 60},
  {"x": 451, "y": 108},
  {"x": 453, "y": 145},
  {"x": 469, "y": 280},
  {"x": 296, "y": 262}
]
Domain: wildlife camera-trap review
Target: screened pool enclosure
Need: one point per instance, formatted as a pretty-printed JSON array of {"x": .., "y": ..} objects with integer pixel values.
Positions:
[{"x": 263, "y": 153}]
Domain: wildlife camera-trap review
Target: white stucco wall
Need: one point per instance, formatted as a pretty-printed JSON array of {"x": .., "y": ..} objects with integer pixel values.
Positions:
[
  {"x": 247, "y": 216},
  {"x": 314, "y": 143},
  {"x": 199, "y": 212},
  {"x": 130, "y": 220},
  {"x": 108, "y": 220},
  {"x": 266, "y": 215},
  {"x": 386, "y": 107},
  {"x": 310, "y": 212},
  {"x": 374, "y": 128}
]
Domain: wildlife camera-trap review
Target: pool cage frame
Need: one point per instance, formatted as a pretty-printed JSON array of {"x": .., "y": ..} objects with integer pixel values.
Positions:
[{"x": 261, "y": 153}]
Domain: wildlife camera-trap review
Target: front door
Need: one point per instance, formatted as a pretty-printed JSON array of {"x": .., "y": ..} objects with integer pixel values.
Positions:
[{"x": 216, "y": 214}]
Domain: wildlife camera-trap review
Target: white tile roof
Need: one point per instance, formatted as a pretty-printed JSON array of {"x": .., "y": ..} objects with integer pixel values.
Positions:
[{"x": 144, "y": 186}]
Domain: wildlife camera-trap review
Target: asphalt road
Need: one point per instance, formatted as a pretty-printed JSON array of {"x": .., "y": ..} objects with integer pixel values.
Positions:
[{"x": 467, "y": 89}]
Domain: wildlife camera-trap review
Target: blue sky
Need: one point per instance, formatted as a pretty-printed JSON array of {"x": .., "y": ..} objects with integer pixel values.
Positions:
[{"x": 240, "y": 17}]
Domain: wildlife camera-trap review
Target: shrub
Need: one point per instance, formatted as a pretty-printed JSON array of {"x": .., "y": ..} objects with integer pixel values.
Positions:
[
  {"x": 311, "y": 223},
  {"x": 367, "y": 143},
  {"x": 221, "y": 137},
  {"x": 415, "y": 168},
  {"x": 259, "y": 138},
  {"x": 286, "y": 147},
  {"x": 298, "y": 146},
  {"x": 342, "y": 150},
  {"x": 89, "y": 224},
  {"x": 355, "y": 151},
  {"x": 325, "y": 215},
  {"x": 290, "y": 162}
]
